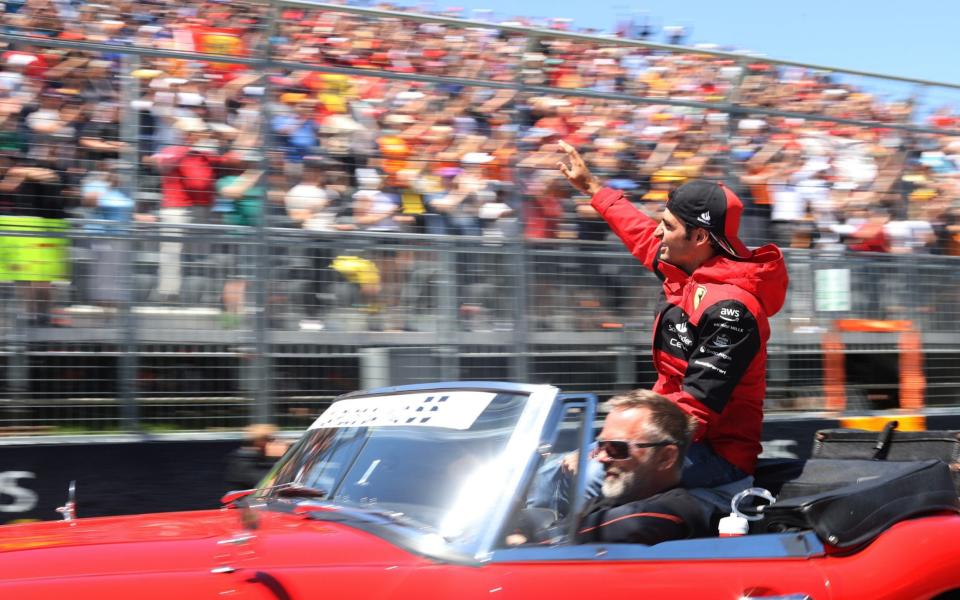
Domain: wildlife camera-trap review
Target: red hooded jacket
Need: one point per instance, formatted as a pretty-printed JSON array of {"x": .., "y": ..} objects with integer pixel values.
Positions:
[{"x": 711, "y": 331}]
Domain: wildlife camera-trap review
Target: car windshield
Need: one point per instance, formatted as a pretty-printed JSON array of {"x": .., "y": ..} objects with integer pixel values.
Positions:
[{"x": 440, "y": 459}]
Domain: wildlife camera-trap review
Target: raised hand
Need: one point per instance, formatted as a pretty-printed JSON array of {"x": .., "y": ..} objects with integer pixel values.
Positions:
[{"x": 576, "y": 171}]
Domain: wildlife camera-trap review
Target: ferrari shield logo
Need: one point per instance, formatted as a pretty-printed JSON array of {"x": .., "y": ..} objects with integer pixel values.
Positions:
[{"x": 698, "y": 296}]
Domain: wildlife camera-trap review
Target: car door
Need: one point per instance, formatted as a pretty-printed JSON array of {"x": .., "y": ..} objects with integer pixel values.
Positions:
[{"x": 781, "y": 566}]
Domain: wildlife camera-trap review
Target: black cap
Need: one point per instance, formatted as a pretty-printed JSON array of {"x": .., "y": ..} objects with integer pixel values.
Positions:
[{"x": 714, "y": 207}]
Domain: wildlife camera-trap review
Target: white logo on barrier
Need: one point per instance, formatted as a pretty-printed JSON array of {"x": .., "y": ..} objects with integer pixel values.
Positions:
[
  {"x": 451, "y": 410},
  {"x": 24, "y": 500}
]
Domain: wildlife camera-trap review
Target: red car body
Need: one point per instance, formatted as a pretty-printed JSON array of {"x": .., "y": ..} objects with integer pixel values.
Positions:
[
  {"x": 210, "y": 554},
  {"x": 311, "y": 548}
]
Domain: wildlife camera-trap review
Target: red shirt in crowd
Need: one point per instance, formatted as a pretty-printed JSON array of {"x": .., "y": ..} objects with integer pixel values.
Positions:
[
  {"x": 543, "y": 215},
  {"x": 188, "y": 176}
]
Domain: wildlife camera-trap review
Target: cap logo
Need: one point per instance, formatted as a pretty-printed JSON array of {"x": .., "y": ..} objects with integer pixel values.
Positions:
[{"x": 704, "y": 217}]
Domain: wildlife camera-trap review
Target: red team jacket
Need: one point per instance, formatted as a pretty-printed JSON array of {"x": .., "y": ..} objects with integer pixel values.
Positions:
[{"x": 711, "y": 331}]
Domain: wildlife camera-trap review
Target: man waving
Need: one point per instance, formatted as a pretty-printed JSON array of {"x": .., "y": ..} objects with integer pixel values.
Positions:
[{"x": 711, "y": 328}]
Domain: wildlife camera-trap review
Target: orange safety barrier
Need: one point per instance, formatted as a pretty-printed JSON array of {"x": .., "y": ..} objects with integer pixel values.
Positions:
[
  {"x": 877, "y": 423},
  {"x": 834, "y": 372},
  {"x": 913, "y": 384},
  {"x": 875, "y": 325},
  {"x": 912, "y": 380}
]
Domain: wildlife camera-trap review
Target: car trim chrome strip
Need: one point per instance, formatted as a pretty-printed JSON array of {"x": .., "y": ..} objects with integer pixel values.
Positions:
[
  {"x": 489, "y": 386},
  {"x": 769, "y": 546}
]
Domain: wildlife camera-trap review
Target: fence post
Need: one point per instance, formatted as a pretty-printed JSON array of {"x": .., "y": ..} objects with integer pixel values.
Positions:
[
  {"x": 260, "y": 361},
  {"x": 127, "y": 361},
  {"x": 520, "y": 367},
  {"x": 626, "y": 366},
  {"x": 449, "y": 303}
]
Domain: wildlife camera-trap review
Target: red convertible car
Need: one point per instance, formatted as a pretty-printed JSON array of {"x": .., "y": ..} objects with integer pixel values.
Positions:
[{"x": 413, "y": 492}]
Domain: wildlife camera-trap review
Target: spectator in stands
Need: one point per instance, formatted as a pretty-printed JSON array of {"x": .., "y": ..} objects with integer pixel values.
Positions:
[
  {"x": 242, "y": 194},
  {"x": 372, "y": 209},
  {"x": 397, "y": 127},
  {"x": 543, "y": 217},
  {"x": 544, "y": 208},
  {"x": 109, "y": 279},
  {"x": 251, "y": 462},
  {"x": 314, "y": 206},
  {"x": 188, "y": 183},
  {"x": 51, "y": 126},
  {"x": 100, "y": 135},
  {"x": 439, "y": 202},
  {"x": 296, "y": 127},
  {"x": 99, "y": 83},
  {"x": 309, "y": 203},
  {"x": 465, "y": 190},
  {"x": 32, "y": 201},
  {"x": 869, "y": 228},
  {"x": 868, "y": 222},
  {"x": 946, "y": 228}
]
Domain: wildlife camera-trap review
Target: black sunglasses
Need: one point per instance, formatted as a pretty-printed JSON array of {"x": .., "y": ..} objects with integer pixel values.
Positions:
[{"x": 620, "y": 449}]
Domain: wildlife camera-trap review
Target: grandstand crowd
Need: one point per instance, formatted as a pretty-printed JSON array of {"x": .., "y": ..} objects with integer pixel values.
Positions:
[{"x": 113, "y": 137}]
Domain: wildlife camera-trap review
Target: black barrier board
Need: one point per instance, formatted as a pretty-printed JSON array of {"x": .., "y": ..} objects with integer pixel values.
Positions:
[{"x": 112, "y": 478}]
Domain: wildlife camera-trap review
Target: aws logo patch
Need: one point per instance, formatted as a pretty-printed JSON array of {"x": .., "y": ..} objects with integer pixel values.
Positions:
[{"x": 730, "y": 314}]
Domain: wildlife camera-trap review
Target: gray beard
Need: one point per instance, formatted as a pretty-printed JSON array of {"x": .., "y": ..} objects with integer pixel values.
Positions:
[{"x": 620, "y": 486}]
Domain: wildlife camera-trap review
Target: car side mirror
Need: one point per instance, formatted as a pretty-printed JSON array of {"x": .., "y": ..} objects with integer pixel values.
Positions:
[{"x": 231, "y": 497}]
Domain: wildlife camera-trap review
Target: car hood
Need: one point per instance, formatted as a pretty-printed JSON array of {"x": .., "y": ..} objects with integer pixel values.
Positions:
[{"x": 191, "y": 541}]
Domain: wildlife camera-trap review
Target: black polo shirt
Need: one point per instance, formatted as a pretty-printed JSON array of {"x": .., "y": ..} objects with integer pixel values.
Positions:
[{"x": 670, "y": 515}]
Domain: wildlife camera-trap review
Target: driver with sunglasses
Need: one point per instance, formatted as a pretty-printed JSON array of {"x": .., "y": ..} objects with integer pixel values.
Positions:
[
  {"x": 641, "y": 449},
  {"x": 641, "y": 500}
]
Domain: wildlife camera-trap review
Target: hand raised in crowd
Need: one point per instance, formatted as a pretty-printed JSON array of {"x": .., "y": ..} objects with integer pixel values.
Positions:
[{"x": 577, "y": 172}]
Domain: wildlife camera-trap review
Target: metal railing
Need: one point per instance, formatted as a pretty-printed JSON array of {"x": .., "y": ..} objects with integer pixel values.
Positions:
[{"x": 334, "y": 322}]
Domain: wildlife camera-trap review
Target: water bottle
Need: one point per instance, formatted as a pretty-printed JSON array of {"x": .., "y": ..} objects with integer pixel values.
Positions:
[
  {"x": 733, "y": 525},
  {"x": 736, "y": 523}
]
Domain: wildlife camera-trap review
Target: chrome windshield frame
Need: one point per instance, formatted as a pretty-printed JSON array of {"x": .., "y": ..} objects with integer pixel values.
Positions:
[{"x": 522, "y": 451}]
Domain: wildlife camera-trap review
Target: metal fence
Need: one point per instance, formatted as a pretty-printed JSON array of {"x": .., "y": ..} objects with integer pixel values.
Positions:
[
  {"x": 270, "y": 320},
  {"x": 574, "y": 314}
]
